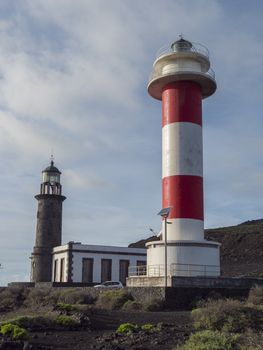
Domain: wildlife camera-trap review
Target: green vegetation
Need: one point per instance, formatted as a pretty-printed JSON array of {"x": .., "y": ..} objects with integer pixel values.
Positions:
[
  {"x": 147, "y": 327},
  {"x": 210, "y": 340},
  {"x": 34, "y": 323},
  {"x": 227, "y": 315},
  {"x": 66, "y": 321},
  {"x": 130, "y": 328},
  {"x": 43, "y": 323},
  {"x": 228, "y": 324},
  {"x": 127, "y": 328},
  {"x": 14, "y": 332},
  {"x": 66, "y": 307}
]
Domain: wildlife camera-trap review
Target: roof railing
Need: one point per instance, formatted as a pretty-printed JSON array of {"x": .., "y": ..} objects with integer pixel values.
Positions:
[{"x": 196, "y": 47}]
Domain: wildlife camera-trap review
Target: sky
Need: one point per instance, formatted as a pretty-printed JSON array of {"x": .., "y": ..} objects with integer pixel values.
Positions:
[{"x": 73, "y": 82}]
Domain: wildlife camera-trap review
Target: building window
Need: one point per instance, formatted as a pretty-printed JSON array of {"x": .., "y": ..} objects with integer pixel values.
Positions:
[
  {"x": 141, "y": 267},
  {"x": 87, "y": 270},
  {"x": 123, "y": 270},
  {"x": 106, "y": 269},
  {"x": 55, "y": 270},
  {"x": 62, "y": 270}
]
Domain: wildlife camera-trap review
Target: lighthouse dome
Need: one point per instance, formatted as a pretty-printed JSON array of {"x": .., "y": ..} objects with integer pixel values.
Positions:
[
  {"x": 51, "y": 174},
  {"x": 51, "y": 169},
  {"x": 181, "y": 45}
]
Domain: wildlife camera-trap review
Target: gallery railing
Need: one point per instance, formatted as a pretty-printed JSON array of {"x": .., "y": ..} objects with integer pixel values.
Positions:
[{"x": 174, "y": 269}]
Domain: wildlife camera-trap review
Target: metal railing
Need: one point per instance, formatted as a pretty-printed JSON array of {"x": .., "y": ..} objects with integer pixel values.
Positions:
[
  {"x": 175, "y": 269},
  {"x": 196, "y": 47},
  {"x": 194, "y": 269}
]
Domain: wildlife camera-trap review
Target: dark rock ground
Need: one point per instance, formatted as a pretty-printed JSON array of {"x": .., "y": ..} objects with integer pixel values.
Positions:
[{"x": 174, "y": 329}]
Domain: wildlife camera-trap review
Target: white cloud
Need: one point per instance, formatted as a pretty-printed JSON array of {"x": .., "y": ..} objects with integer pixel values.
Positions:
[{"x": 83, "y": 180}]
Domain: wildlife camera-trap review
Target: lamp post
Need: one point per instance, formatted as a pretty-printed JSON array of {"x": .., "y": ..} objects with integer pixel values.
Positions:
[{"x": 164, "y": 213}]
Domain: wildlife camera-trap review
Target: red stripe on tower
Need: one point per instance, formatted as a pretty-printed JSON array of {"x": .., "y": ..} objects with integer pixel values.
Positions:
[
  {"x": 182, "y": 102},
  {"x": 182, "y": 184},
  {"x": 184, "y": 194}
]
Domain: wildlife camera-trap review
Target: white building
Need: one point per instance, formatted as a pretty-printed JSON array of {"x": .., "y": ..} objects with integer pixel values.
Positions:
[{"x": 82, "y": 263}]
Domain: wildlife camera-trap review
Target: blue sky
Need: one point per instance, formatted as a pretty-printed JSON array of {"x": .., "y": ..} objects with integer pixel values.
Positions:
[{"x": 73, "y": 78}]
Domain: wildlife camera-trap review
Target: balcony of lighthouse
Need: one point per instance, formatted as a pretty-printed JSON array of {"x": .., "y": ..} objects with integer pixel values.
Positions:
[
  {"x": 183, "y": 60},
  {"x": 175, "y": 269},
  {"x": 189, "y": 274}
]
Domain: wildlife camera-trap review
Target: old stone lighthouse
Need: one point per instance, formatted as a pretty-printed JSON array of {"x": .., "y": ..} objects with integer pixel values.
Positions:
[{"x": 49, "y": 224}]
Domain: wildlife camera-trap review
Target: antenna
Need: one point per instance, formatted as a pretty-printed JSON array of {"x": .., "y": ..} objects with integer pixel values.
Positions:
[{"x": 52, "y": 156}]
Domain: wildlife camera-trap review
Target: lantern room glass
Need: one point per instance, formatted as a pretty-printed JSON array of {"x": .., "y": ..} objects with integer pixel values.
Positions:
[{"x": 51, "y": 177}]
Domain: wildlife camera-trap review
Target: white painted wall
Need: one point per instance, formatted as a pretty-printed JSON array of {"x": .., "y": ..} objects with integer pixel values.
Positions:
[
  {"x": 181, "y": 64},
  {"x": 196, "y": 261},
  {"x": 97, "y": 253},
  {"x": 184, "y": 229},
  {"x": 182, "y": 149},
  {"x": 59, "y": 256},
  {"x": 77, "y": 264}
]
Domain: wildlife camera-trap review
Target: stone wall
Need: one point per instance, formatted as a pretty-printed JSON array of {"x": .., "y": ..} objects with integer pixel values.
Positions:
[
  {"x": 185, "y": 293},
  {"x": 215, "y": 282}
]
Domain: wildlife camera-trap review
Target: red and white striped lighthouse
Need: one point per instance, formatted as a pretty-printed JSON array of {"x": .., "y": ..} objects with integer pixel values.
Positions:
[{"x": 181, "y": 78}]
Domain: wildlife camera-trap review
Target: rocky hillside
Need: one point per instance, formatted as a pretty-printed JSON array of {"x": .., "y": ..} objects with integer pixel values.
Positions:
[{"x": 241, "y": 250}]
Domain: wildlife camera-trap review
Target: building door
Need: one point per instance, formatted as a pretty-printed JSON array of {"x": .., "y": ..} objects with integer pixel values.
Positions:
[
  {"x": 62, "y": 270},
  {"x": 106, "y": 270},
  {"x": 87, "y": 270},
  {"x": 124, "y": 268},
  {"x": 141, "y": 267}
]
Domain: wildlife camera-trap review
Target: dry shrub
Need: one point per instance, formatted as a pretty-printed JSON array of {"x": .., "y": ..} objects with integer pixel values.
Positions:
[
  {"x": 12, "y": 297},
  {"x": 113, "y": 299},
  {"x": 227, "y": 315},
  {"x": 131, "y": 305},
  {"x": 154, "y": 304},
  {"x": 41, "y": 297},
  {"x": 51, "y": 297},
  {"x": 251, "y": 341},
  {"x": 76, "y": 296},
  {"x": 256, "y": 295}
]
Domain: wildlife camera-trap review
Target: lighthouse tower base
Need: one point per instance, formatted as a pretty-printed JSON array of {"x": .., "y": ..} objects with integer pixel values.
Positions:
[
  {"x": 184, "y": 258},
  {"x": 193, "y": 259}
]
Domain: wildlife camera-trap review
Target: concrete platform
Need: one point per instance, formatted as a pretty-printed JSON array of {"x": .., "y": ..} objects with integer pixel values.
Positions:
[{"x": 189, "y": 282}]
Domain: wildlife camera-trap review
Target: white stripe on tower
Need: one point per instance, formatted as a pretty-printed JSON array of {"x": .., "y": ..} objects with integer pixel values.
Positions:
[{"x": 182, "y": 160}]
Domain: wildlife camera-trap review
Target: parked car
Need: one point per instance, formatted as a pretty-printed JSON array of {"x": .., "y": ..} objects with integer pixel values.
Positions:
[{"x": 110, "y": 284}]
